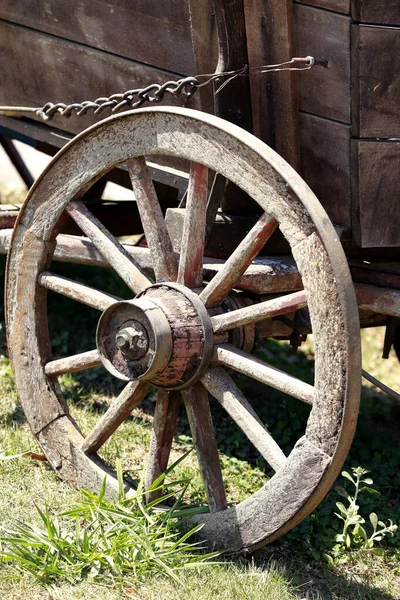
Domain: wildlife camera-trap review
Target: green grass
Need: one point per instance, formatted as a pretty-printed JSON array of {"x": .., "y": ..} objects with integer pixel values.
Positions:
[{"x": 292, "y": 568}]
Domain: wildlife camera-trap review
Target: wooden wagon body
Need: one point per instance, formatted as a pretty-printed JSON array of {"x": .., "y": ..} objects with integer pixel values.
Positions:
[{"x": 338, "y": 127}]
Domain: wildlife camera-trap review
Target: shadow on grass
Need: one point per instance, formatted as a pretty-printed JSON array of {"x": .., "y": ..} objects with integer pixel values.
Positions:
[{"x": 315, "y": 582}]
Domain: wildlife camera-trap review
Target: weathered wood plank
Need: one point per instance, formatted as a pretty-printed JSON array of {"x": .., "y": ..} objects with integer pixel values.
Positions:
[
  {"x": 73, "y": 364},
  {"x": 120, "y": 409},
  {"x": 377, "y": 299},
  {"x": 157, "y": 236},
  {"x": 110, "y": 248},
  {"x": 325, "y": 35},
  {"x": 80, "y": 250},
  {"x": 8, "y": 215},
  {"x": 233, "y": 101},
  {"x": 205, "y": 43},
  {"x": 201, "y": 426},
  {"x": 162, "y": 434},
  {"x": 274, "y": 99},
  {"x": 223, "y": 238},
  {"x": 259, "y": 312},
  {"x": 238, "y": 262},
  {"x": 340, "y": 6},
  {"x": 76, "y": 291},
  {"x": 161, "y": 37},
  {"x": 248, "y": 365},
  {"x": 38, "y": 76},
  {"x": 376, "y": 174},
  {"x": 266, "y": 275},
  {"x": 222, "y": 387},
  {"x": 190, "y": 272},
  {"x": 376, "y": 63},
  {"x": 385, "y": 12},
  {"x": 325, "y": 164}
]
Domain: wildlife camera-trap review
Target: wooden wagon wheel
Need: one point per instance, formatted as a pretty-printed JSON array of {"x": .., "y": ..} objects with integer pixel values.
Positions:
[{"x": 166, "y": 337}]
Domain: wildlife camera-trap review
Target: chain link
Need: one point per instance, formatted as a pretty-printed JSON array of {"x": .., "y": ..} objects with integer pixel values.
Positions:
[{"x": 153, "y": 93}]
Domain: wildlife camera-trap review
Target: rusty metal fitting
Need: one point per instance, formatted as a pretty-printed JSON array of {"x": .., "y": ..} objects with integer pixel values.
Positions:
[{"x": 132, "y": 341}]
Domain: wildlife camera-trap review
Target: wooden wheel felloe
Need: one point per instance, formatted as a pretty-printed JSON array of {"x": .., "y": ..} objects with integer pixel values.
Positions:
[{"x": 183, "y": 334}]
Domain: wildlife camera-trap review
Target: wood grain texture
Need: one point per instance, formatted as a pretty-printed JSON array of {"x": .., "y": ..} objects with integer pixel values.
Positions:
[
  {"x": 329, "y": 378},
  {"x": 38, "y": 76},
  {"x": 143, "y": 30},
  {"x": 239, "y": 527},
  {"x": 190, "y": 270},
  {"x": 157, "y": 236},
  {"x": 376, "y": 167},
  {"x": 222, "y": 387},
  {"x": 162, "y": 434},
  {"x": 110, "y": 248},
  {"x": 248, "y": 365},
  {"x": 120, "y": 409},
  {"x": 31, "y": 301},
  {"x": 232, "y": 102},
  {"x": 77, "y": 291},
  {"x": 384, "y": 301},
  {"x": 325, "y": 35},
  {"x": 266, "y": 275},
  {"x": 205, "y": 43},
  {"x": 61, "y": 443},
  {"x": 384, "y": 12},
  {"x": 239, "y": 261},
  {"x": 269, "y": 30},
  {"x": 73, "y": 364},
  {"x": 340, "y": 6},
  {"x": 259, "y": 311},
  {"x": 325, "y": 164},
  {"x": 201, "y": 426},
  {"x": 376, "y": 60}
]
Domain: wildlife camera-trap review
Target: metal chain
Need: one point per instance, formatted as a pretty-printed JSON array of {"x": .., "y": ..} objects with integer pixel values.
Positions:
[{"x": 155, "y": 92}]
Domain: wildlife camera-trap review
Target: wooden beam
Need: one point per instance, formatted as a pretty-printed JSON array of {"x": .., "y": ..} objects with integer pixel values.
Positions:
[{"x": 269, "y": 29}]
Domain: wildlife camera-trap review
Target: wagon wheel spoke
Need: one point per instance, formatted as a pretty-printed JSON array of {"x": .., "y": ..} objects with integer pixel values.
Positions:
[
  {"x": 222, "y": 387},
  {"x": 259, "y": 312},
  {"x": 229, "y": 356},
  {"x": 157, "y": 236},
  {"x": 214, "y": 202},
  {"x": 201, "y": 425},
  {"x": 190, "y": 271},
  {"x": 72, "y": 364},
  {"x": 77, "y": 291},
  {"x": 164, "y": 427},
  {"x": 131, "y": 395},
  {"x": 109, "y": 247},
  {"x": 233, "y": 269}
]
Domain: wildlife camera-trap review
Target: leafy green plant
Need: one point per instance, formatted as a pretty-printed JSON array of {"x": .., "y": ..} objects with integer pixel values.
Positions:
[
  {"x": 354, "y": 536},
  {"x": 108, "y": 542}
]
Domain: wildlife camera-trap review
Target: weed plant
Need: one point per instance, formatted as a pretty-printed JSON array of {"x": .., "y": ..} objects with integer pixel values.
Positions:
[
  {"x": 107, "y": 542},
  {"x": 354, "y": 537}
]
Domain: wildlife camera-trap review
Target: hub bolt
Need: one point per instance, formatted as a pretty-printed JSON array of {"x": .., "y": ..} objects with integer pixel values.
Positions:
[{"x": 132, "y": 341}]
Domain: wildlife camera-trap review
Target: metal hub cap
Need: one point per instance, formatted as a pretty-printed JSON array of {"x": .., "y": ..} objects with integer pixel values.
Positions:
[{"x": 163, "y": 336}]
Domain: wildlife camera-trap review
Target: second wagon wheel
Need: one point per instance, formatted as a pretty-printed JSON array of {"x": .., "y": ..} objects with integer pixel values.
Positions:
[{"x": 186, "y": 334}]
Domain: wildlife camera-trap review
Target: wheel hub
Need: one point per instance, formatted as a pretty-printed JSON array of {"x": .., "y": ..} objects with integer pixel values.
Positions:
[{"x": 163, "y": 336}]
